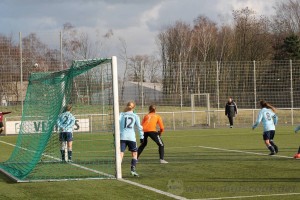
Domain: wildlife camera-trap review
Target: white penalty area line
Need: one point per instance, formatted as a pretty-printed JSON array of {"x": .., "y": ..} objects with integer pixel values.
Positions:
[
  {"x": 254, "y": 196},
  {"x": 240, "y": 151},
  {"x": 228, "y": 150},
  {"x": 153, "y": 189}
]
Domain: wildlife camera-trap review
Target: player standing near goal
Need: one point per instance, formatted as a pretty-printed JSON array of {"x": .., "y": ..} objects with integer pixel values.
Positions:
[
  {"x": 1, "y": 120},
  {"x": 269, "y": 119},
  {"x": 149, "y": 123},
  {"x": 231, "y": 110},
  {"x": 128, "y": 120},
  {"x": 65, "y": 123}
]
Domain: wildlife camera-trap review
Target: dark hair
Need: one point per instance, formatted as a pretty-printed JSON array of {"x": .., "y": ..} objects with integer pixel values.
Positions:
[
  {"x": 152, "y": 108},
  {"x": 265, "y": 104}
]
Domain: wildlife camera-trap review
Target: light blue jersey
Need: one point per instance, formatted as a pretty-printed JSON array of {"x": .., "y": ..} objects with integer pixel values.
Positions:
[
  {"x": 269, "y": 119},
  {"x": 297, "y": 129},
  {"x": 66, "y": 122},
  {"x": 127, "y": 122}
]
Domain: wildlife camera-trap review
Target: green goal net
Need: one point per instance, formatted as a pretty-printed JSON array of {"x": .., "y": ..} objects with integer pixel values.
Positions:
[{"x": 88, "y": 86}]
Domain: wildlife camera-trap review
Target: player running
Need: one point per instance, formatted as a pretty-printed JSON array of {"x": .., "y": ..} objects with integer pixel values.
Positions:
[
  {"x": 128, "y": 120},
  {"x": 149, "y": 126},
  {"x": 297, "y": 155},
  {"x": 65, "y": 123},
  {"x": 269, "y": 120},
  {"x": 1, "y": 120}
]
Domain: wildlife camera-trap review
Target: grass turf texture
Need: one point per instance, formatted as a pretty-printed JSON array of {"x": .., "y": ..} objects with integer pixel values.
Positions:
[{"x": 195, "y": 169}]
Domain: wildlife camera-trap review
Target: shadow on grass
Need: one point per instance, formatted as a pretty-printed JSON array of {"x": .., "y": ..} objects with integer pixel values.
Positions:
[{"x": 5, "y": 179}]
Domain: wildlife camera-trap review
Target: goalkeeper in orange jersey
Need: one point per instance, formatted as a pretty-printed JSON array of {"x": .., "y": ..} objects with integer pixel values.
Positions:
[
  {"x": 149, "y": 127},
  {"x": 1, "y": 120}
]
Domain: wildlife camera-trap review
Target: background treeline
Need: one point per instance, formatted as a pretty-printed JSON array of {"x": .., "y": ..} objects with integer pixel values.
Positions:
[
  {"x": 196, "y": 57},
  {"x": 190, "y": 57}
]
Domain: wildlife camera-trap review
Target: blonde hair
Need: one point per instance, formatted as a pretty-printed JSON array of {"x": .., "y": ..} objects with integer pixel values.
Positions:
[
  {"x": 68, "y": 107},
  {"x": 130, "y": 106}
]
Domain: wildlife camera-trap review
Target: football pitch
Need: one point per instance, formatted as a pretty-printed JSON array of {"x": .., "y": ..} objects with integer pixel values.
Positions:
[{"x": 203, "y": 164}]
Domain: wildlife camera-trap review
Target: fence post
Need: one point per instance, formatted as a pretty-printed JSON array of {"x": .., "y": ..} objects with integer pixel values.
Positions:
[
  {"x": 292, "y": 92},
  {"x": 218, "y": 91},
  {"x": 142, "y": 79},
  {"x": 174, "y": 126},
  {"x": 21, "y": 70},
  {"x": 61, "y": 51},
  {"x": 254, "y": 85},
  {"x": 181, "y": 96}
]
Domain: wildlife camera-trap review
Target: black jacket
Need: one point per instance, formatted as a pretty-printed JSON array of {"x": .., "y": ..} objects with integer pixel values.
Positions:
[{"x": 231, "y": 109}]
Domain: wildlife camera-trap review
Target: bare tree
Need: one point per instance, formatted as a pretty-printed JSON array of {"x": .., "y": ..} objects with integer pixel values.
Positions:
[
  {"x": 287, "y": 17},
  {"x": 204, "y": 34},
  {"x": 252, "y": 36},
  {"x": 123, "y": 55}
]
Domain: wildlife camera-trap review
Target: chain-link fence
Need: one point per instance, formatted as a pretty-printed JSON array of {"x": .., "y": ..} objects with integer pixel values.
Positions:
[{"x": 174, "y": 88}]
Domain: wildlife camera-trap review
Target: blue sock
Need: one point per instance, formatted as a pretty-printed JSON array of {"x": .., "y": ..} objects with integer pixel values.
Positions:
[
  {"x": 271, "y": 148},
  {"x": 62, "y": 152},
  {"x": 69, "y": 155},
  {"x": 133, "y": 164}
]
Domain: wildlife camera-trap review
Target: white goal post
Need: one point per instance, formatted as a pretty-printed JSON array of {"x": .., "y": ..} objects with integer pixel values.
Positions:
[{"x": 200, "y": 101}]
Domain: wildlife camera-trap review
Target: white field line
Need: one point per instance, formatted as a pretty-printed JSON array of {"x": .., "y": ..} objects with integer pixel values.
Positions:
[
  {"x": 73, "y": 164},
  {"x": 239, "y": 151},
  {"x": 254, "y": 196},
  {"x": 123, "y": 180},
  {"x": 214, "y": 148},
  {"x": 153, "y": 189},
  {"x": 228, "y": 150}
]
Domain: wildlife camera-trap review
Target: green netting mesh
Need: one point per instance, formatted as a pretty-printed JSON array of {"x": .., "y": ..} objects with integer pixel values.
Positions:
[{"x": 87, "y": 85}]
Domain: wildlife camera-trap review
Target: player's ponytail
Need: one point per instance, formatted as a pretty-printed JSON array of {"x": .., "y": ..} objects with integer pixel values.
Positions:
[
  {"x": 152, "y": 108},
  {"x": 130, "y": 106},
  {"x": 265, "y": 104}
]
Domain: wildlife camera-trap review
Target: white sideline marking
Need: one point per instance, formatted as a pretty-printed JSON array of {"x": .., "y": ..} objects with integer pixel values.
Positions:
[
  {"x": 153, "y": 189},
  {"x": 254, "y": 196}
]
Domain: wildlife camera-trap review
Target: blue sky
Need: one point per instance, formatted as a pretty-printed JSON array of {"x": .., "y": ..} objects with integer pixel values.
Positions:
[{"x": 136, "y": 21}]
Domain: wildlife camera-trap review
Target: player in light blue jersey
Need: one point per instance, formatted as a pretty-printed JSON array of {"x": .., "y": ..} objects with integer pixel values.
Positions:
[
  {"x": 269, "y": 119},
  {"x": 65, "y": 123},
  {"x": 128, "y": 120}
]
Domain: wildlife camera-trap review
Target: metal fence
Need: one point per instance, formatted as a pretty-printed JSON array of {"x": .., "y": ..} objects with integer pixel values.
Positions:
[{"x": 247, "y": 82}]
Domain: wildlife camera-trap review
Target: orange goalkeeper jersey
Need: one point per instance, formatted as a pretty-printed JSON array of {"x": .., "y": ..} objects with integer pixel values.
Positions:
[{"x": 150, "y": 121}]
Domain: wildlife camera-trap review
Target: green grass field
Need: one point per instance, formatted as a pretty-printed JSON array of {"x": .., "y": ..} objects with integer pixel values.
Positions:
[{"x": 203, "y": 164}]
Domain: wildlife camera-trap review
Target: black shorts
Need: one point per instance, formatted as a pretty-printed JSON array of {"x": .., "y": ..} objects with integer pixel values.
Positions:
[
  {"x": 131, "y": 146},
  {"x": 1, "y": 124},
  {"x": 269, "y": 135},
  {"x": 65, "y": 136}
]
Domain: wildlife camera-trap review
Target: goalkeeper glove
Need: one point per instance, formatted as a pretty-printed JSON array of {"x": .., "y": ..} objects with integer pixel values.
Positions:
[{"x": 141, "y": 140}]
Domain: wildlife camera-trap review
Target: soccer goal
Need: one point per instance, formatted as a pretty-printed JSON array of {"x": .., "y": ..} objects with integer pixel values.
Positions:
[
  {"x": 37, "y": 156},
  {"x": 200, "y": 109}
]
